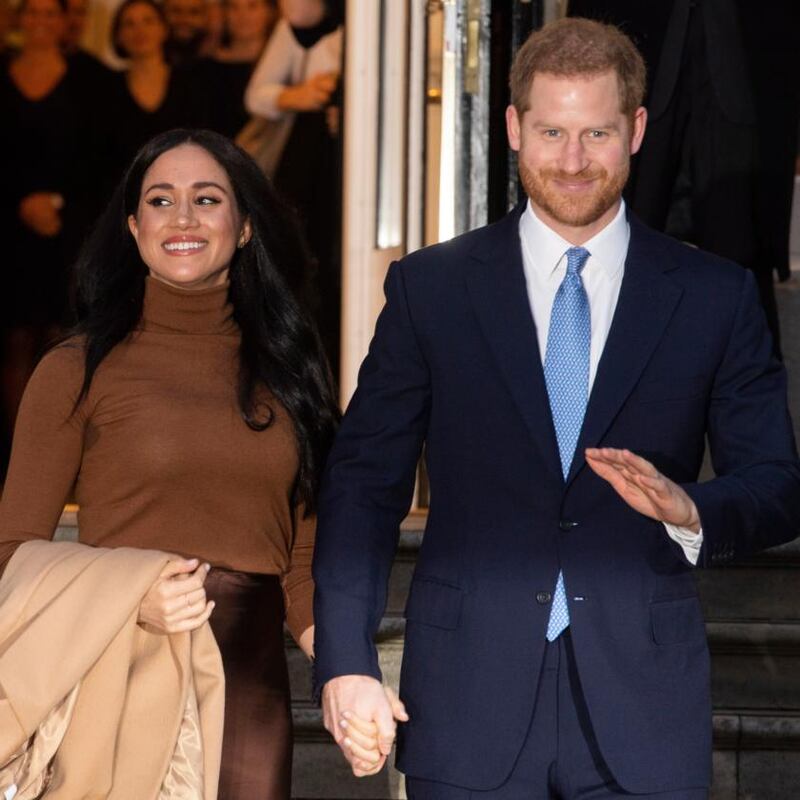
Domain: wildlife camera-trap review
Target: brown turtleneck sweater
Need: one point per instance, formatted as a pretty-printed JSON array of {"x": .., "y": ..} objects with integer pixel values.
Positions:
[{"x": 158, "y": 453}]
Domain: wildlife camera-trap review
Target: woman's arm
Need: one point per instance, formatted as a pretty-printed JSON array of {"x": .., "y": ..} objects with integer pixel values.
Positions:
[
  {"x": 46, "y": 451},
  {"x": 298, "y": 585}
]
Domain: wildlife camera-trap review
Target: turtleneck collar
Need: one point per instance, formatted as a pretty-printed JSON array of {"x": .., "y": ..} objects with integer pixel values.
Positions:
[{"x": 168, "y": 309}]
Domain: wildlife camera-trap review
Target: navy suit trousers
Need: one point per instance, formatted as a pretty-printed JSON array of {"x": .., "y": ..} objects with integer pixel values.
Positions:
[{"x": 560, "y": 759}]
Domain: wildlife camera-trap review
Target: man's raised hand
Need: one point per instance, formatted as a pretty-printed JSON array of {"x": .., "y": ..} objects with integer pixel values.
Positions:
[{"x": 643, "y": 487}]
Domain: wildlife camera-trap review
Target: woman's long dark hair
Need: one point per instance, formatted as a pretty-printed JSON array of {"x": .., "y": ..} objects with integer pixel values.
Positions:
[{"x": 279, "y": 350}]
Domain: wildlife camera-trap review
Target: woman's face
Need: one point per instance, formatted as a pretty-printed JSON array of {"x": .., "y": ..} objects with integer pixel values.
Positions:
[
  {"x": 248, "y": 19},
  {"x": 141, "y": 31},
  {"x": 42, "y": 23},
  {"x": 303, "y": 13},
  {"x": 187, "y": 225}
]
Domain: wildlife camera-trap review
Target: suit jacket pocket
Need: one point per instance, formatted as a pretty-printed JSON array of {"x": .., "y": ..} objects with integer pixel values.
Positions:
[
  {"x": 434, "y": 603},
  {"x": 677, "y": 621}
]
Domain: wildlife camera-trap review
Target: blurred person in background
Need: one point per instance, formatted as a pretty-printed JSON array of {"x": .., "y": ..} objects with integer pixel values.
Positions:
[
  {"x": 89, "y": 69},
  {"x": 47, "y": 152},
  {"x": 188, "y": 28},
  {"x": 6, "y": 21},
  {"x": 151, "y": 96},
  {"x": 248, "y": 25},
  {"x": 297, "y": 81}
]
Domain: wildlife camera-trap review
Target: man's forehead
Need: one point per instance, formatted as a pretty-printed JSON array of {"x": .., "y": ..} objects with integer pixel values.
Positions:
[{"x": 574, "y": 92}]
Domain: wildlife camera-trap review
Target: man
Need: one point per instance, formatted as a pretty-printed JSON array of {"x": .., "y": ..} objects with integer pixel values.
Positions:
[
  {"x": 189, "y": 24},
  {"x": 555, "y": 646}
]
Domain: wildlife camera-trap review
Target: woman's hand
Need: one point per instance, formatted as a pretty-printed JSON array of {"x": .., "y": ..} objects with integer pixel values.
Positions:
[
  {"x": 40, "y": 212},
  {"x": 311, "y": 95},
  {"x": 176, "y": 602}
]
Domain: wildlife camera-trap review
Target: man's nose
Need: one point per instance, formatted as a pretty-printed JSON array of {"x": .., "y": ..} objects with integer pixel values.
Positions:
[{"x": 573, "y": 157}]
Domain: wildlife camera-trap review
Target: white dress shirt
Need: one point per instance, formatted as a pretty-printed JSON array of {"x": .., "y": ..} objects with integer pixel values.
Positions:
[
  {"x": 545, "y": 263},
  {"x": 286, "y": 63}
]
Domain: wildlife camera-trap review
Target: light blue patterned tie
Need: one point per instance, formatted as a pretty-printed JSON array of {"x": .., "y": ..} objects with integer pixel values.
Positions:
[{"x": 566, "y": 373}]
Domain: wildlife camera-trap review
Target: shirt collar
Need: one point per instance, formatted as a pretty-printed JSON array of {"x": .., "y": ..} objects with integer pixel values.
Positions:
[{"x": 546, "y": 248}]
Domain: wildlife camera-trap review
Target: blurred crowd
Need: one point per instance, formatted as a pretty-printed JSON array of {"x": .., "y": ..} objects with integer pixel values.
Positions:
[{"x": 264, "y": 72}]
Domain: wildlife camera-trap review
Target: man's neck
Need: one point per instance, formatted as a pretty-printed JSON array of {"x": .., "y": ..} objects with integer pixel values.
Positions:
[{"x": 576, "y": 234}]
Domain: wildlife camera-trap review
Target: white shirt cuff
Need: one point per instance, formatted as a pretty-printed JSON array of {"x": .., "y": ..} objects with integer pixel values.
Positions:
[
  {"x": 262, "y": 100},
  {"x": 689, "y": 541}
]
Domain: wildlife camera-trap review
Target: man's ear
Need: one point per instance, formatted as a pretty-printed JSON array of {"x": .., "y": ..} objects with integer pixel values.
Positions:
[
  {"x": 512, "y": 128},
  {"x": 639, "y": 125}
]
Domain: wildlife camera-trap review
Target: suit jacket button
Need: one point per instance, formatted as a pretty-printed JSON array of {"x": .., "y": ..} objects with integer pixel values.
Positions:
[
  {"x": 567, "y": 524},
  {"x": 542, "y": 598}
]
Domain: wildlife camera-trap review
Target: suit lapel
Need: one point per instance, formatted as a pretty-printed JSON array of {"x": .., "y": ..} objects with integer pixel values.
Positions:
[
  {"x": 495, "y": 282},
  {"x": 646, "y": 303}
]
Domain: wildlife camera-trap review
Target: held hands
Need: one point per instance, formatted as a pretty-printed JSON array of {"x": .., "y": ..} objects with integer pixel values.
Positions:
[
  {"x": 643, "y": 487},
  {"x": 177, "y": 600},
  {"x": 360, "y": 713},
  {"x": 311, "y": 95},
  {"x": 39, "y": 211}
]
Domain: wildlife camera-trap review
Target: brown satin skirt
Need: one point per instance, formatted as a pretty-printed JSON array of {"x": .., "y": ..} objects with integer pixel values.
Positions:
[{"x": 257, "y": 745}]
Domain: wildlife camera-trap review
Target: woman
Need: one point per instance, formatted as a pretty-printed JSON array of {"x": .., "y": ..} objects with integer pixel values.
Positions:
[
  {"x": 46, "y": 149},
  {"x": 192, "y": 412},
  {"x": 150, "y": 96},
  {"x": 248, "y": 24},
  {"x": 296, "y": 81}
]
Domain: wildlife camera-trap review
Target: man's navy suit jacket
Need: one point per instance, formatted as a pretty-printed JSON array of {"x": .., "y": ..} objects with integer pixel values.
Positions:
[{"x": 454, "y": 365}]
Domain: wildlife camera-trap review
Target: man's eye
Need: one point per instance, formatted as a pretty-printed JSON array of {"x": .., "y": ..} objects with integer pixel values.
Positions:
[
  {"x": 596, "y": 134},
  {"x": 551, "y": 133}
]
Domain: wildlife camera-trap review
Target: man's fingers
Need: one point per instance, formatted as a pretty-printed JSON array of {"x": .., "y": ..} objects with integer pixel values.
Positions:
[
  {"x": 367, "y": 727},
  {"x": 398, "y": 709},
  {"x": 657, "y": 485},
  {"x": 608, "y": 473},
  {"x": 386, "y": 728},
  {"x": 361, "y": 769}
]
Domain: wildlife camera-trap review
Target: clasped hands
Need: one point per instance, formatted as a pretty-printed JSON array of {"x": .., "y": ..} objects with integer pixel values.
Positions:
[{"x": 361, "y": 714}]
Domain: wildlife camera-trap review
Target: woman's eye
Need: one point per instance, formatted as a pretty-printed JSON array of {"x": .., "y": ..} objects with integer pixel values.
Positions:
[
  {"x": 207, "y": 201},
  {"x": 158, "y": 202}
]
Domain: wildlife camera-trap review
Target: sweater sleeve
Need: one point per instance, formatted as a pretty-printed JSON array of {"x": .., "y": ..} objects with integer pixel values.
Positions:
[
  {"x": 46, "y": 451},
  {"x": 298, "y": 585}
]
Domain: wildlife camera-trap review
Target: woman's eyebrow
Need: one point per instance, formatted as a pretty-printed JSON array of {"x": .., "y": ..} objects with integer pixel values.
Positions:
[{"x": 196, "y": 185}]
